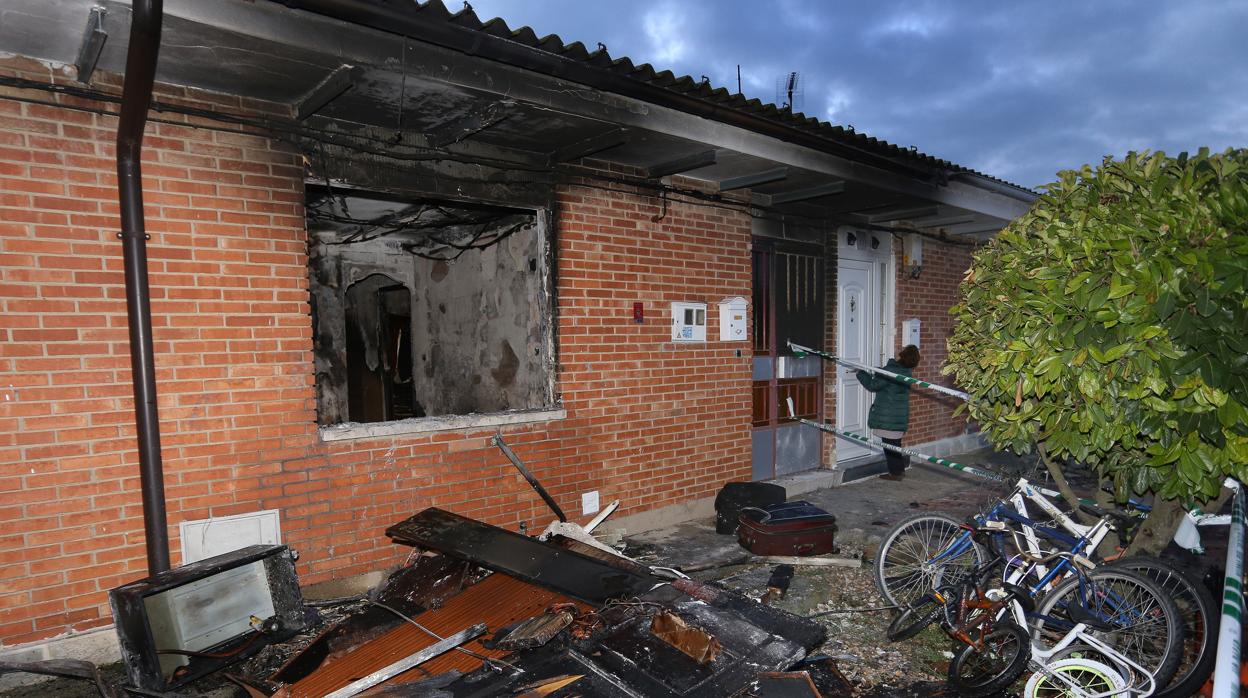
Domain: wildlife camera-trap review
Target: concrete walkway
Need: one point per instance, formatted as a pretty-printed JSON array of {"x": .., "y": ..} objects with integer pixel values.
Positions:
[{"x": 864, "y": 509}]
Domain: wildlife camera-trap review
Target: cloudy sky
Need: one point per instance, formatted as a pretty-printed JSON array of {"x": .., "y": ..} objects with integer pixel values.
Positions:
[{"x": 1019, "y": 90}]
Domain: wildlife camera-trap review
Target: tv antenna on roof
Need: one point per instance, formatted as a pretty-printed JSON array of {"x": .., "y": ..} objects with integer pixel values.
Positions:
[{"x": 789, "y": 91}]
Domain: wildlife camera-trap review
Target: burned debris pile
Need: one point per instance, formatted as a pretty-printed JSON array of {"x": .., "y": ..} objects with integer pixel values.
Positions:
[
  {"x": 560, "y": 621},
  {"x": 475, "y": 611}
]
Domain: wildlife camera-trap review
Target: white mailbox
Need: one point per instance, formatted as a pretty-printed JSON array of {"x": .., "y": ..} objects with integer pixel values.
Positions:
[
  {"x": 732, "y": 319},
  {"x": 910, "y": 332},
  {"x": 688, "y": 322}
]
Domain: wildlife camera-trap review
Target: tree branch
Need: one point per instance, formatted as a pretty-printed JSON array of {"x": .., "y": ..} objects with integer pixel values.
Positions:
[{"x": 1059, "y": 478}]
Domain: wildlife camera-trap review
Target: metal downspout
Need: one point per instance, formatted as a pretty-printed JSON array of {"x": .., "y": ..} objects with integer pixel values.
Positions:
[{"x": 136, "y": 97}]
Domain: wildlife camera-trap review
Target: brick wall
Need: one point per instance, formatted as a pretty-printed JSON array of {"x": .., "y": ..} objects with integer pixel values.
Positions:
[
  {"x": 649, "y": 422},
  {"x": 827, "y": 442},
  {"x": 929, "y": 298}
]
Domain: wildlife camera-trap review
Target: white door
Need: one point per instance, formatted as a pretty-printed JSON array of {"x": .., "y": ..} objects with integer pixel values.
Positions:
[
  {"x": 857, "y": 340},
  {"x": 864, "y": 315}
]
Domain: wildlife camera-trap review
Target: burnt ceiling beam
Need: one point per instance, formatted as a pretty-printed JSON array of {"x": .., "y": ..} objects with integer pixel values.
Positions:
[
  {"x": 449, "y": 181},
  {"x": 903, "y": 214},
  {"x": 471, "y": 149},
  {"x": 339, "y": 81},
  {"x": 92, "y": 44},
  {"x": 788, "y": 197},
  {"x": 705, "y": 158},
  {"x": 754, "y": 180},
  {"x": 589, "y": 146},
  {"x": 475, "y": 121}
]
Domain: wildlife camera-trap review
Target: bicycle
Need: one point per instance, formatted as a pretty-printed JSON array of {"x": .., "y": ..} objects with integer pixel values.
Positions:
[
  {"x": 925, "y": 550},
  {"x": 996, "y": 651},
  {"x": 1114, "y": 603}
]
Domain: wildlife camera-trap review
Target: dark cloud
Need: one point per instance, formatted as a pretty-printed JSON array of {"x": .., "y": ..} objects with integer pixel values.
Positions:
[{"x": 1018, "y": 90}]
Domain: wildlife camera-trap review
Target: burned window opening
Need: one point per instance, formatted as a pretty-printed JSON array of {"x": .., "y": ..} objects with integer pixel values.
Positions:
[{"x": 426, "y": 309}]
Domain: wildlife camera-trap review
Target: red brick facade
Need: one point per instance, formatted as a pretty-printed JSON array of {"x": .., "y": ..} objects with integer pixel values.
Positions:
[
  {"x": 648, "y": 422},
  {"x": 928, "y": 297}
]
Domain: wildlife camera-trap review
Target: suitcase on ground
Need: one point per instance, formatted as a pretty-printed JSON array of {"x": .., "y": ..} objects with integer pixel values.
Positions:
[
  {"x": 735, "y": 496},
  {"x": 792, "y": 528}
]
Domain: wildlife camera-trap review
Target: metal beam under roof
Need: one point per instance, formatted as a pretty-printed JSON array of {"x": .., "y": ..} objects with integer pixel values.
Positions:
[
  {"x": 705, "y": 158},
  {"x": 788, "y": 197},
  {"x": 92, "y": 45},
  {"x": 334, "y": 84},
  {"x": 940, "y": 221},
  {"x": 589, "y": 146},
  {"x": 755, "y": 179},
  {"x": 903, "y": 214}
]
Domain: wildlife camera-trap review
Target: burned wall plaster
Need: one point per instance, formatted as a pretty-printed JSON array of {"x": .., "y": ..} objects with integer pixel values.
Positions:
[
  {"x": 481, "y": 323},
  {"x": 480, "y": 329}
]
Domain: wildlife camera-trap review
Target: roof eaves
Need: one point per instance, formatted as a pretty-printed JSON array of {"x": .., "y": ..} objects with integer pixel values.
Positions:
[{"x": 716, "y": 101}]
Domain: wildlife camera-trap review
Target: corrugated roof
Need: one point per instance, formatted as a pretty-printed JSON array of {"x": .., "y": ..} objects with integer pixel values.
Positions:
[{"x": 685, "y": 85}]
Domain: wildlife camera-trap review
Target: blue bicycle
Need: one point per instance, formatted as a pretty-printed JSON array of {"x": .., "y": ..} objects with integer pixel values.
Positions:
[{"x": 926, "y": 550}]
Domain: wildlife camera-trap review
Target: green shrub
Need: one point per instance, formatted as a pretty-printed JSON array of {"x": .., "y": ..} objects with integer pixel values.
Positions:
[{"x": 1110, "y": 324}]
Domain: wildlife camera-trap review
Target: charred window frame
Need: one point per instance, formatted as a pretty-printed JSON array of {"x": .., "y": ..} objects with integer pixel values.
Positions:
[{"x": 427, "y": 309}]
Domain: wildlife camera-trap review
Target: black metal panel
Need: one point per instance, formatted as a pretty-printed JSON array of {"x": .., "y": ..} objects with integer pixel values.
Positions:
[
  {"x": 134, "y": 632},
  {"x": 798, "y": 296},
  {"x": 565, "y": 571}
]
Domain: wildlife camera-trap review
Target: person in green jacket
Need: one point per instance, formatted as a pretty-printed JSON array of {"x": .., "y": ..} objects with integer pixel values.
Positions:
[{"x": 890, "y": 412}]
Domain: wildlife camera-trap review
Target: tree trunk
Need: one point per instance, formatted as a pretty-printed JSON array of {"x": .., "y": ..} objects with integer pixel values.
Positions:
[
  {"x": 1158, "y": 529},
  {"x": 1112, "y": 543},
  {"x": 1059, "y": 478}
]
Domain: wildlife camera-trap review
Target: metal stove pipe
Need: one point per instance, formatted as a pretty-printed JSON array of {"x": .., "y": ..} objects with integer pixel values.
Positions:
[{"x": 145, "y": 23}]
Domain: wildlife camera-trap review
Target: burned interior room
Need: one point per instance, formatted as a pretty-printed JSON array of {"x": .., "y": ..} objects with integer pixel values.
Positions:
[{"x": 427, "y": 308}]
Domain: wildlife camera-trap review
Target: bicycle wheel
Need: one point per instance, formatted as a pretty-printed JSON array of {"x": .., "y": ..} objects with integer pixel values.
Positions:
[
  {"x": 920, "y": 553},
  {"x": 975, "y": 673},
  {"x": 1145, "y": 626},
  {"x": 1200, "y": 622},
  {"x": 1075, "y": 677},
  {"x": 915, "y": 618}
]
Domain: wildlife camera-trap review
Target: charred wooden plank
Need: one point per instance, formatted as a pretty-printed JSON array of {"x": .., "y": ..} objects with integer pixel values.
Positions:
[{"x": 571, "y": 573}]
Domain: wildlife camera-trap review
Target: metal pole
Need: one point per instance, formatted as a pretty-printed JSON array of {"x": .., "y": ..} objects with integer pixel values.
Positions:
[
  {"x": 869, "y": 369},
  {"x": 858, "y": 438},
  {"x": 136, "y": 97},
  {"x": 1226, "y": 670},
  {"x": 537, "y": 486},
  {"x": 394, "y": 669}
]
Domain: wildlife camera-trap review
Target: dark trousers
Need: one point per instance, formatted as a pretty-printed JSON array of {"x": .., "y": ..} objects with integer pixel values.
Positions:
[{"x": 897, "y": 462}]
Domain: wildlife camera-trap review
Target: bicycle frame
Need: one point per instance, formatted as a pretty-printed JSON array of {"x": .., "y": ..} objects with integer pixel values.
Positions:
[
  {"x": 1078, "y": 538},
  {"x": 1129, "y": 670}
]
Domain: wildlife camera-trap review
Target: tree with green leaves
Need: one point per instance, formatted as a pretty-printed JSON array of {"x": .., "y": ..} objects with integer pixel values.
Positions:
[{"x": 1109, "y": 326}]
